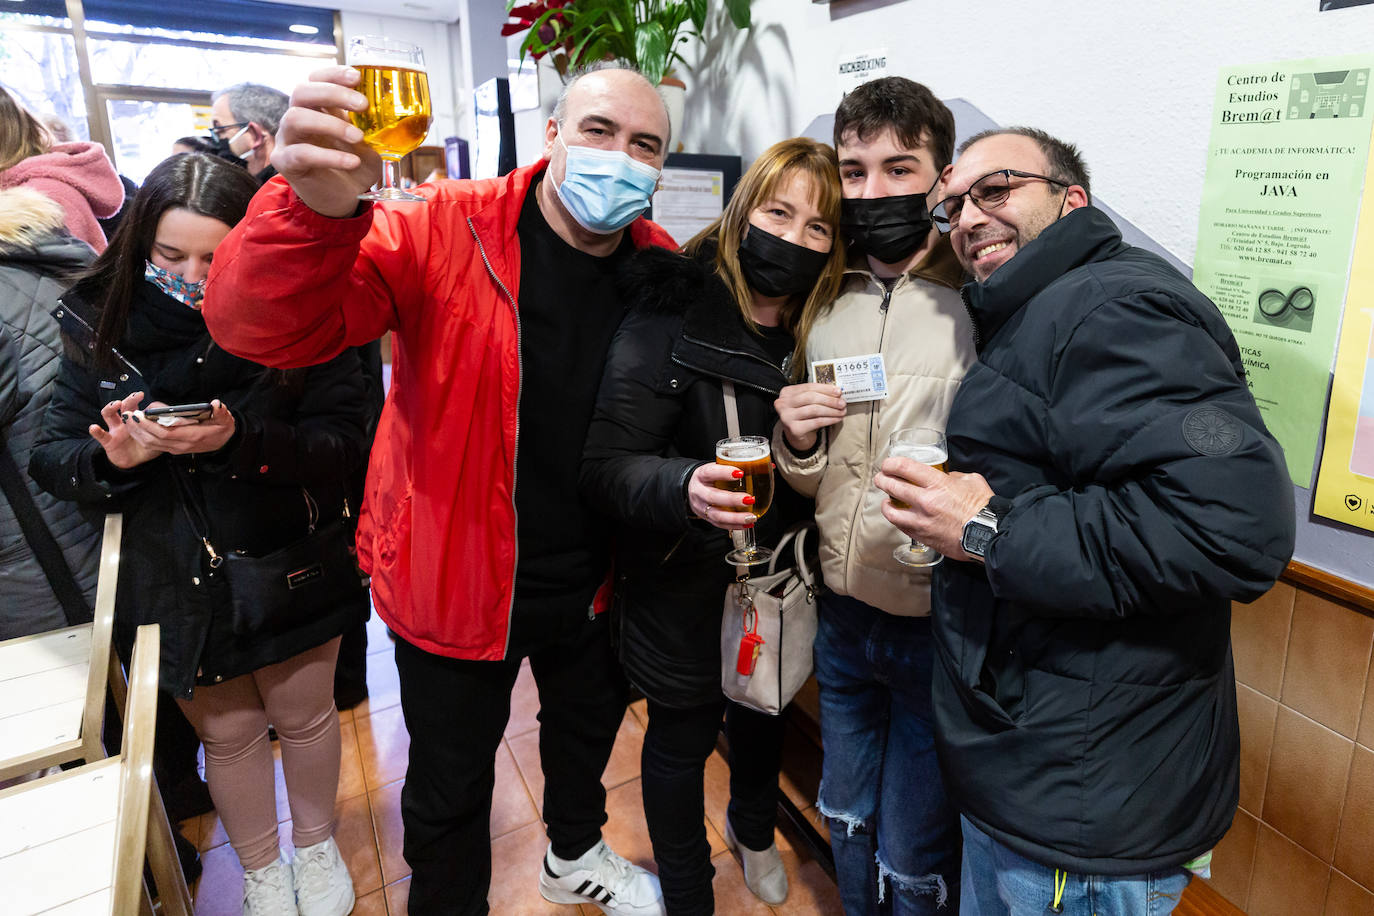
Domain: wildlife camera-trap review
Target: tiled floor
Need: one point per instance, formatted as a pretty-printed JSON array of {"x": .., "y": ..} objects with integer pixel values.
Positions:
[{"x": 369, "y": 817}]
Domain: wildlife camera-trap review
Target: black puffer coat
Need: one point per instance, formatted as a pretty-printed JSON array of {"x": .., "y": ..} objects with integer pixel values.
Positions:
[
  {"x": 658, "y": 417},
  {"x": 31, "y": 264},
  {"x": 301, "y": 430},
  {"x": 1085, "y": 697}
]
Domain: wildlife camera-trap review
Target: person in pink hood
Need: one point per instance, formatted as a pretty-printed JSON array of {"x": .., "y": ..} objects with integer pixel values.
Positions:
[{"x": 78, "y": 175}]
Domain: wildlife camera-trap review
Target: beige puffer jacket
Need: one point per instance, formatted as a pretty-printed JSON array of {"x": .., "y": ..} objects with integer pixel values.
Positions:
[{"x": 926, "y": 338}]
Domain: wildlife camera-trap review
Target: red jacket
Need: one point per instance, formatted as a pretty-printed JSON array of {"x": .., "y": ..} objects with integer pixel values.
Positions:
[{"x": 290, "y": 287}]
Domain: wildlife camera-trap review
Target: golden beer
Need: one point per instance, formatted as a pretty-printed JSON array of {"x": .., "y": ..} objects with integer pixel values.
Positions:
[
  {"x": 932, "y": 455},
  {"x": 398, "y": 113},
  {"x": 757, "y": 481}
]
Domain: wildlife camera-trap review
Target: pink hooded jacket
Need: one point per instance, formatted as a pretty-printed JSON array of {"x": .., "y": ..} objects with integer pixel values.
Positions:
[{"x": 81, "y": 178}]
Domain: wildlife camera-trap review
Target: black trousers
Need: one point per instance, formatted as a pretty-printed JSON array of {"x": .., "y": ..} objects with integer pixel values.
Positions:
[
  {"x": 456, "y": 713},
  {"x": 672, "y": 775}
]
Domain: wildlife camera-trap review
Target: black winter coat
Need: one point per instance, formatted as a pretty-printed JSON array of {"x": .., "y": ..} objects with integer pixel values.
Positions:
[
  {"x": 658, "y": 416},
  {"x": 1085, "y": 698},
  {"x": 304, "y": 430}
]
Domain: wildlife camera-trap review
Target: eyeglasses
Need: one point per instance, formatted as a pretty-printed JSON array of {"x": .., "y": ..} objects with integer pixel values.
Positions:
[
  {"x": 987, "y": 193},
  {"x": 216, "y": 128}
]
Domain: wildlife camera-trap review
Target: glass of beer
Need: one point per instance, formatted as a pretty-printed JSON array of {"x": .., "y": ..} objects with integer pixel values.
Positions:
[
  {"x": 751, "y": 455},
  {"x": 398, "y": 114},
  {"x": 919, "y": 443}
]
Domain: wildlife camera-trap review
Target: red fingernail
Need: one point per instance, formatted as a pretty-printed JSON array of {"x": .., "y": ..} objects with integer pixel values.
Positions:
[
  {"x": 748, "y": 500},
  {"x": 737, "y": 473}
]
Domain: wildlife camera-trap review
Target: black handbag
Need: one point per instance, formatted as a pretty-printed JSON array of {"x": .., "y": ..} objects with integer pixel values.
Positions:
[{"x": 292, "y": 585}]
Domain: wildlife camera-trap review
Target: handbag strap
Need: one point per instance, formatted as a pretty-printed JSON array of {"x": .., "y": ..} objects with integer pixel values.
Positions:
[
  {"x": 40, "y": 539},
  {"x": 797, "y": 536}
]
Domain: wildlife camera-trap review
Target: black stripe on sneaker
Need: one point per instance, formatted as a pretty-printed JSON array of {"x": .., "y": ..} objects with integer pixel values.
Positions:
[
  {"x": 551, "y": 873},
  {"x": 607, "y": 898},
  {"x": 583, "y": 886},
  {"x": 596, "y": 892}
]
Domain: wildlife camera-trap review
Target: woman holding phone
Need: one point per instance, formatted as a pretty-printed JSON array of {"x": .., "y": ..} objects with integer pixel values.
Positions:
[
  {"x": 729, "y": 308},
  {"x": 253, "y": 472}
]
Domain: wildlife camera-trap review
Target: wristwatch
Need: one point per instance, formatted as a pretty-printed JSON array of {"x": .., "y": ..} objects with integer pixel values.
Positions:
[{"x": 980, "y": 530}]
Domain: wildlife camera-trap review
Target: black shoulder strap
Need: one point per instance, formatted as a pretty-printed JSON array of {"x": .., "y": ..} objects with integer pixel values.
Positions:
[{"x": 44, "y": 546}]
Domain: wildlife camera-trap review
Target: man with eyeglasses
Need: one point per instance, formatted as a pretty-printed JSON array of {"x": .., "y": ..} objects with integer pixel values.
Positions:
[
  {"x": 244, "y": 125},
  {"x": 1112, "y": 490}
]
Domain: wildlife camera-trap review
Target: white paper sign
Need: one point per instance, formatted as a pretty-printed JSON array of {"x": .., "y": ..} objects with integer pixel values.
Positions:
[
  {"x": 857, "y": 69},
  {"x": 688, "y": 200}
]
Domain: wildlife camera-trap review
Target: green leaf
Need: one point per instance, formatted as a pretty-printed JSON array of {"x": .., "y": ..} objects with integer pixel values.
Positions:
[
  {"x": 651, "y": 51},
  {"x": 739, "y": 13},
  {"x": 696, "y": 10}
]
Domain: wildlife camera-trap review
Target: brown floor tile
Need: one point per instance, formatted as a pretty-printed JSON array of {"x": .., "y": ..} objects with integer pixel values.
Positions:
[
  {"x": 211, "y": 832},
  {"x": 373, "y": 904},
  {"x": 801, "y": 778},
  {"x": 1259, "y": 639},
  {"x": 524, "y": 703},
  {"x": 358, "y": 844},
  {"x": 345, "y": 715},
  {"x": 1346, "y": 898},
  {"x": 1233, "y": 860},
  {"x": 383, "y": 745},
  {"x": 525, "y": 749},
  {"x": 813, "y": 814},
  {"x": 640, "y": 708},
  {"x": 386, "y": 822},
  {"x": 1328, "y": 662},
  {"x": 1355, "y": 849},
  {"x": 1257, "y": 714},
  {"x": 1308, "y": 768},
  {"x": 1288, "y": 880},
  {"x": 624, "y": 763},
  {"x": 351, "y": 780},
  {"x": 516, "y": 858},
  {"x": 731, "y": 894},
  {"x": 383, "y": 684},
  {"x": 396, "y": 896},
  {"x": 625, "y": 830},
  {"x": 511, "y": 806}
]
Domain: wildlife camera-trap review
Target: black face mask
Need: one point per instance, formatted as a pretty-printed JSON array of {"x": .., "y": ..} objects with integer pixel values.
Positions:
[
  {"x": 775, "y": 267},
  {"x": 221, "y": 149},
  {"x": 888, "y": 228}
]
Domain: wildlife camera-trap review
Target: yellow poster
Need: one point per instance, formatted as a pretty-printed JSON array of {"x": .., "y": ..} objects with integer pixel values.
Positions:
[{"x": 1345, "y": 484}]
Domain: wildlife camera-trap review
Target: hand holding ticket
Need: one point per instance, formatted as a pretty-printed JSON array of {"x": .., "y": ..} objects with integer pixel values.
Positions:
[{"x": 861, "y": 378}]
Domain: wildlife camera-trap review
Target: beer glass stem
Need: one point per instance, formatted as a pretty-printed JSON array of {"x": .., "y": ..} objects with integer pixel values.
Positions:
[
  {"x": 744, "y": 541},
  {"x": 389, "y": 172}
]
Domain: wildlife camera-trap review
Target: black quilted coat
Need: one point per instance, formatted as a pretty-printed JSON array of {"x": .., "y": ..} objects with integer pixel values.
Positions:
[{"x": 658, "y": 417}]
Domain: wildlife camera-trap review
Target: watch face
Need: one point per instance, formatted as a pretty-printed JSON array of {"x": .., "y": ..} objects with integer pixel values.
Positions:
[{"x": 976, "y": 538}]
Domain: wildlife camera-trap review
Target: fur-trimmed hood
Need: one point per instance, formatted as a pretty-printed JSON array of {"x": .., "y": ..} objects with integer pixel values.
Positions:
[{"x": 32, "y": 233}]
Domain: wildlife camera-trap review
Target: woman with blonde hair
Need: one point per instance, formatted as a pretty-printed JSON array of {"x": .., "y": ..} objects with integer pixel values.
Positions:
[
  {"x": 77, "y": 175},
  {"x": 730, "y": 308}
]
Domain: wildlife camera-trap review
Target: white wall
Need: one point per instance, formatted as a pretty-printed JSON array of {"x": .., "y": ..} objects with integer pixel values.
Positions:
[
  {"x": 1131, "y": 82},
  {"x": 449, "y": 97}
]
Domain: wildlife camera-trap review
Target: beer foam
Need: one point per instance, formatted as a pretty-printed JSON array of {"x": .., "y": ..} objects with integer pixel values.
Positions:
[
  {"x": 752, "y": 453},
  {"x": 925, "y": 454},
  {"x": 378, "y": 60}
]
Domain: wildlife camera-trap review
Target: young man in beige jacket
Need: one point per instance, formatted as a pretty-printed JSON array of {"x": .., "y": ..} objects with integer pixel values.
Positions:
[{"x": 892, "y": 828}]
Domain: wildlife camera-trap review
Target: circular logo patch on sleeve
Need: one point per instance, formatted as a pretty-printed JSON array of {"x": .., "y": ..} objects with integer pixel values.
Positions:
[{"x": 1212, "y": 431}]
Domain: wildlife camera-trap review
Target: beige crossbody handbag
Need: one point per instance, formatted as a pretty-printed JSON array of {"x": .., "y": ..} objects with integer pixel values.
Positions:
[{"x": 769, "y": 622}]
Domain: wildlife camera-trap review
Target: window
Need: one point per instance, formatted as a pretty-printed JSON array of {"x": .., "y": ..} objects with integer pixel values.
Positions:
[{"x": 152, "y": 64}]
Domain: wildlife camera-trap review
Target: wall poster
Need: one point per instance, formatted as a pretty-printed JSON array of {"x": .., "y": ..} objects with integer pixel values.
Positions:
[
  {"x": 1345, "y": 485},
  {"x": 1285, "y": 171}
]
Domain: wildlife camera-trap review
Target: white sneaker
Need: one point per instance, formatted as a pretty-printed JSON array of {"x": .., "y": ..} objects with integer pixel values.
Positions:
[
  {"x": 268, "y": 892},
  {"x": 606, "y": 881},
  {"x": 323, "y": 885},
  {"x": 764, "y": 873}
]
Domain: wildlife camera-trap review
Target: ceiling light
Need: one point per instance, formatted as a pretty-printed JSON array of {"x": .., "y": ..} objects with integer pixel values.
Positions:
[{"x": 300, "y": 29}]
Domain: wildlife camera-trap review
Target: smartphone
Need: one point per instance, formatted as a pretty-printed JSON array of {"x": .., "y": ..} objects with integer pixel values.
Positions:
[{"x": 167, "y": 416}]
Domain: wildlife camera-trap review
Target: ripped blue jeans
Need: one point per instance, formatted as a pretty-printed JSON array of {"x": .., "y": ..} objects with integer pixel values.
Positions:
[{"x": 893, "y": 831}]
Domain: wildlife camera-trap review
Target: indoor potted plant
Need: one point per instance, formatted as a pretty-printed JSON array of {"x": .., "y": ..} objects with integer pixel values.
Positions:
[{"x": 646, "y": 33}]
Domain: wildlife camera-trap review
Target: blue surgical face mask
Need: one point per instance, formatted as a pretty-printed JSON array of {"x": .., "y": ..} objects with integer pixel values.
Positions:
[
  {"x": 603, "y": 189},
  {"x": 175, "y": 286}
]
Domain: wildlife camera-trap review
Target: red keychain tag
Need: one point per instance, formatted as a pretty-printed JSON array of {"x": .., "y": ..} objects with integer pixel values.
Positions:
[{"x": 750, "y": 645}]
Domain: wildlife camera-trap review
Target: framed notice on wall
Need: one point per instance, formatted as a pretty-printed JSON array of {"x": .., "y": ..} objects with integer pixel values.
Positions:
[{"x": 692, "y": 192}]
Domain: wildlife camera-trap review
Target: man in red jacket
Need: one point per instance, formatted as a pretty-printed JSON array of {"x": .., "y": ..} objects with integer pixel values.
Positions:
[{"x": 502, "y": 297}]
